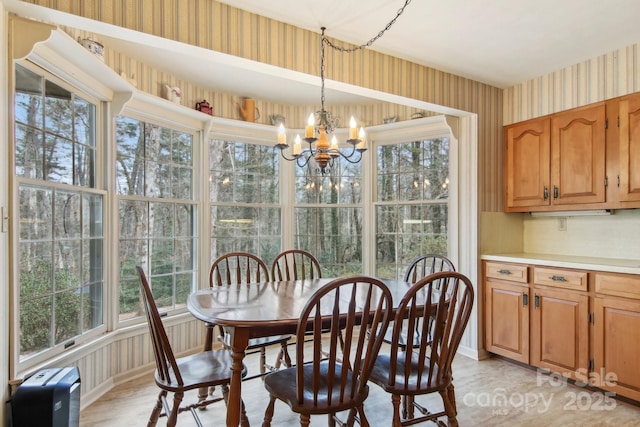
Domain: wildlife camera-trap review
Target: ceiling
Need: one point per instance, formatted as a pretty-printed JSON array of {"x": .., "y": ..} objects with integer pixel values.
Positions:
[{"x": 498, "y": 42}]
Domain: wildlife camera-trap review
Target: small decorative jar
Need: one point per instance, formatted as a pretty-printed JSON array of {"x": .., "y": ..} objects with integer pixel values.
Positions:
[
  {"x": 94, "y": 47},
  {"x": 204, "y": 107}
]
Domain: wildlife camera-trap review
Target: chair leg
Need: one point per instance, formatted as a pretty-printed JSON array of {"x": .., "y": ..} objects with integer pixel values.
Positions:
[
  {"x": 285, "y": 352},
  {"x": 452, "y": 398},
  {"x": 449, "y": 407},
  {"x": 405, "y": 407},
  {"x": 208, "y": 345},
  {"x": 411, "y": 410},
  {"x": 395, "y": 399},
  {"x": 364, "y": 422},
  {"x": 305, "y": 419},
  {"x": 172, "y": 418},
  {"x": 263, "y": 361},
  {"x": 155, "y": 414},
  {"x": 268, "y": 413},
  {"x": 203, "y": 393}
]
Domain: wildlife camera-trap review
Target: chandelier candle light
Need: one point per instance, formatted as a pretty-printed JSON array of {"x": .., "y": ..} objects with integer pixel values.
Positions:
[{"x": 322, "y": 122}]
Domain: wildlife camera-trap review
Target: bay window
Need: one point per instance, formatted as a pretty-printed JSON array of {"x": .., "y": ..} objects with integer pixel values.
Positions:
[
  {"x": 157, "y": 213},
  {"x": 60, "y": 207},
  {"x": 244, "y": 196},
  {"x": 411, "y": 209}
]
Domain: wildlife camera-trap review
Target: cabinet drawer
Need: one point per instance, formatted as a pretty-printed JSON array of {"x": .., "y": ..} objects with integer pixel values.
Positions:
[
  {"x": 566, "y": 279},
  {"x": 621, "y": 285},
  {"x": 510, "y": 272}
]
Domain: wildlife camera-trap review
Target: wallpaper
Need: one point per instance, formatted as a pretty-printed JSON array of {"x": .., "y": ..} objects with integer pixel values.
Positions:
[{"x": 212, "y": 25}]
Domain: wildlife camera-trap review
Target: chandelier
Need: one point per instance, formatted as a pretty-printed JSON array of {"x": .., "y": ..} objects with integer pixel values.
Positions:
[{"x": 322, "y": 122}]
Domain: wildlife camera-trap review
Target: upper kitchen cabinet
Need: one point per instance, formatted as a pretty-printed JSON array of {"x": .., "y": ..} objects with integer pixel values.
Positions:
[
  {"x": 556, "y": 162},
  {"x": 527, "y": 165},
  {"x": 628, "y": 180},
  {"x": 578, "y": 156}
]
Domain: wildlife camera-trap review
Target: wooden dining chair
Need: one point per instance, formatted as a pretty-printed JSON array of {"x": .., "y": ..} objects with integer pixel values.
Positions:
[
  {"x": 295, "y": 264},
  {"x": 319, "y": 385},
  {"x": 245, "y": 269},
  {"x": 427, "y": 264},
  {"x": 420, "y": 267},
  {"x": 198, "y": 371},
  {"x": 411, "y": 371}
]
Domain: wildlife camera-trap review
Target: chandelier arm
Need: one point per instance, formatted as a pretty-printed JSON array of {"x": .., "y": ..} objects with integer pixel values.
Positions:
[
  {"x": 348, "y": 157},
  {"x": 304, "y": 162},
  {"x": 290, "y": 159}
]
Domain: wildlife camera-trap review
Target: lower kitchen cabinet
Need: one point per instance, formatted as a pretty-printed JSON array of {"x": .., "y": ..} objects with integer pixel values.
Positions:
[
  {"x": 507, "y": 311},
  {"x": 560, "y": 331},
  {"x": 580, "y": 324},
  {"x": 616, "y": 334}
]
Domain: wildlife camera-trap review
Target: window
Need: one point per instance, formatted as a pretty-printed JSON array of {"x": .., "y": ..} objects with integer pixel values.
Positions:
[
  {"x": 157, "y": 213},
  {"x": 412, "y": 203},
  {"x": 328, "y": 216},
  {"x": 61, "y": 242},
  {"x": 245, "y": 199}
]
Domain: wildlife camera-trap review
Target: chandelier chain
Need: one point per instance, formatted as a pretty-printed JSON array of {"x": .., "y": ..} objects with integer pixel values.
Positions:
[
  {"x": 373, "y": 39},
  {"x": 323, "y": 122}
]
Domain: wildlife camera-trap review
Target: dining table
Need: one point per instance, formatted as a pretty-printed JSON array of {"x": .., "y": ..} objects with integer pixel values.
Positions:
[{"x": 258, "y": 310}]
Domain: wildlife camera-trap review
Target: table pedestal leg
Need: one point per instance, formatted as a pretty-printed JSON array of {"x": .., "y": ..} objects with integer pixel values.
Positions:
[{"x": 239, "y": 341}]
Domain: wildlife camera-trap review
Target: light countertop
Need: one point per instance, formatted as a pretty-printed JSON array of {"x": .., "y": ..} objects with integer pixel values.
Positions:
[{"x": 613, "y": 265}]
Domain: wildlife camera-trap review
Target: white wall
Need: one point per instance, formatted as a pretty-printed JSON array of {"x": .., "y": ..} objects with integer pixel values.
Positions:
[{"x": 615, "y": 236}]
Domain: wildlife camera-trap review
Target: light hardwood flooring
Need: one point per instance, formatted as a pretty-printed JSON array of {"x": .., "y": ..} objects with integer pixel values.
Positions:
[{"x": 491, "y": 392}]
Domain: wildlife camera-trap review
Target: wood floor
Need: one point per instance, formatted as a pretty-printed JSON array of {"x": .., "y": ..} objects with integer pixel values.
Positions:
[{"x": 489, "y": 393}]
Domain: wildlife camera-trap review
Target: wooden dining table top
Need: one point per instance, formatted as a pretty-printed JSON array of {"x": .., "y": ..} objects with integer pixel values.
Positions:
[{"x": 277, "y": 302}]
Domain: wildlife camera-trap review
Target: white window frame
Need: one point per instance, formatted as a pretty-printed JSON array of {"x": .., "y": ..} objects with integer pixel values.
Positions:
[
  {"x": 195, "y": 201},
  {"x": 409, "y": 130},
  {"x": 60, "y": 348}
]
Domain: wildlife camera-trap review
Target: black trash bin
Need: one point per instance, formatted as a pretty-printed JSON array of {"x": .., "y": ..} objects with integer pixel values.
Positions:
[{"x": 49, "y": 398}]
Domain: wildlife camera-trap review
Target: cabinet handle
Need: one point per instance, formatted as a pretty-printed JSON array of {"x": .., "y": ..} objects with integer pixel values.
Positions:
[
  {"x": 558, "y": 278},
  {"x": 555, "y": 192},
  {"x": 546, "y": 192},
  {"x": 507, "y": 272},
  {"x": 537, "y": 301},
  {"x": 525, "y": 299},
  {"x": 618, "y": 181}
]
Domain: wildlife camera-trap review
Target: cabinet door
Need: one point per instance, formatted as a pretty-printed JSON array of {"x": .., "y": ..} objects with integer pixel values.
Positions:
[
  {"x": 578, "y": 156},
  {"x": 560, "y": 331},
  {"x": 507, "y": 320},
  {"x": 629, "y": 178},
  {"x": 616, "y": 345},
  {"x": 527, "y": 148}
]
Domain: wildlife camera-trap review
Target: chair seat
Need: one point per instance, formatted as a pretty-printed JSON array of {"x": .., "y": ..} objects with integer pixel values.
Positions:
[
  {"x": 406, "y": 385},
  {"x": 282, "y": 384},
  {"x": 209, "y": 367}
]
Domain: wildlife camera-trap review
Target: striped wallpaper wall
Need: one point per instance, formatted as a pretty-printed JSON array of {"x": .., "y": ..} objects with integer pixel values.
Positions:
[
  {"x": 607, "y": 76},
  {"x": 212, "y": 25}
]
